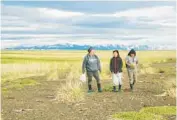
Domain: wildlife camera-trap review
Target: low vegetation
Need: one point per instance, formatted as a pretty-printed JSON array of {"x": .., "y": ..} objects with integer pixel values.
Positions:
[
  {"x": 65, "y": 66},
  {"x": 147, "y": 113}
]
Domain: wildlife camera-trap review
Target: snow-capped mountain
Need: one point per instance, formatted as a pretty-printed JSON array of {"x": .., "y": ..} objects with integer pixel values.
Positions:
[{"x": 69, "y": 46}]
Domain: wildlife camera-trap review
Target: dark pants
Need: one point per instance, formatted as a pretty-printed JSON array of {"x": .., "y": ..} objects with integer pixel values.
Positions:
[{"x": 94, "y": 74}]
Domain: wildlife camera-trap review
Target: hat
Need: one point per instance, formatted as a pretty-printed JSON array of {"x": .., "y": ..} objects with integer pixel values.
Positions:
[
  {"x": 90, "y": 49},
  {"x": 132, "y": 51}
]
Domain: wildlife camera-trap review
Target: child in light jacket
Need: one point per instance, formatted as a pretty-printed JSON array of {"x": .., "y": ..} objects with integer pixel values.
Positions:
[{"x": 131, "y": 65}]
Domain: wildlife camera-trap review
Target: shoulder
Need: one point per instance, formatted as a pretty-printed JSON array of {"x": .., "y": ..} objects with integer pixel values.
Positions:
[
  {"x": 96, "y": 56},
  {"x": 120, "y": 58},
  {"x": 111, "y": 59},
  {"x": 86, "y": 56}
]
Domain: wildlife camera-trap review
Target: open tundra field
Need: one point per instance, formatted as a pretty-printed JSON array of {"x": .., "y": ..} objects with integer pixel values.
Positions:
[{"x": 45, "y": 85}]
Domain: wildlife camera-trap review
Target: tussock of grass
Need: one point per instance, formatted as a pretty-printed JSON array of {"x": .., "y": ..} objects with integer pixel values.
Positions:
[
  {"x": 148, "y": 113},
  {"x": 71, "y": 91}
]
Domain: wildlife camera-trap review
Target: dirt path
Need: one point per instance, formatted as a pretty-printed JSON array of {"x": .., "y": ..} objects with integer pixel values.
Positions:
[{"x": 37, "y": 102}]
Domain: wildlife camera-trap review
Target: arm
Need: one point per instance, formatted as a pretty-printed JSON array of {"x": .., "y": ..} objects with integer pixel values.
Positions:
[
  {"x": 110, "y": 65},
  {"x": 126, "y": 61},
  {"x": 121, "y": 64},
  {"x": 137, "y": 62},
  {"x": 99, "y": 65},
  {"x": 84, "y": 65}
]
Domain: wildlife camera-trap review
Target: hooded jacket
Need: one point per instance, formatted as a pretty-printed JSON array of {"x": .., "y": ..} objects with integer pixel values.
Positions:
[{"x": 132, "y": 51}]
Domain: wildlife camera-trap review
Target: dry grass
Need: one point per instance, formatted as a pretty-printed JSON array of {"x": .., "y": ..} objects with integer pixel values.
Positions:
[
  {"x": 12, "y": 72},
  {"x": 66, "y": 65},
  {"x": 171, "y": 87},
  {"x": 58, "y": 71},
  {"x": 71, "y": 91}
]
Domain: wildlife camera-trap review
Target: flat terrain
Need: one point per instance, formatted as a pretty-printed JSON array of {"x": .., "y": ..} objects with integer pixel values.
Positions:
[{"x": 33, "y": 97}]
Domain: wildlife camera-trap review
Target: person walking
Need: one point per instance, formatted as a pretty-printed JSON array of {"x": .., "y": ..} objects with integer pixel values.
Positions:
[
  {"x": 91, "y": 64},
  {"x": 116, "y": 70},
  {"x": 131, "y": 65}
]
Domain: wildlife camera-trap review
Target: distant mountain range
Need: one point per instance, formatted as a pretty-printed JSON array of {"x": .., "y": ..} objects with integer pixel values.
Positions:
[{"x": 68, "y": 46}]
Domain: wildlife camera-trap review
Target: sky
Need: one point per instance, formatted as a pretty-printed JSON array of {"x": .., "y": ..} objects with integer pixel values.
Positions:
[{"x": 91, "y": 23}]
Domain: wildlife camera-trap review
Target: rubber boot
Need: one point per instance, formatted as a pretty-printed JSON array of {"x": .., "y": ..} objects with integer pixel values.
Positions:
[
  {"x": 134, "y": 82},
  {"x": 114, "y": 89},
  {"x": 119, "y": 88},
  {"x": 99, "y": 87},
  {"x": 131, "y": 87},
  {"x": 90, "y": 88}
]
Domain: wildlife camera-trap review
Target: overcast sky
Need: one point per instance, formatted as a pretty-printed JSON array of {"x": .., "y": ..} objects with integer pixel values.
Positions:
[{"x": 41, "y": 23}]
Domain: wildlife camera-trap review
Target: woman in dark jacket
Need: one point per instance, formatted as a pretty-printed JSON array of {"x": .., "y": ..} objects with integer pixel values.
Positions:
[{"x": 116, "y": 70}]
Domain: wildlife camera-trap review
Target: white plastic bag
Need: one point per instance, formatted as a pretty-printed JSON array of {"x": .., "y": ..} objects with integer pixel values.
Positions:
[
  {"x": 115, "y": 79},
  {"x": 83, "y": 78}
]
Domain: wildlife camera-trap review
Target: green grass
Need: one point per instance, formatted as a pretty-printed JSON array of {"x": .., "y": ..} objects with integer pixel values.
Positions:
[
  {"x": 60, "y": 56},
  {"x": 18, "y": 84},
  {"x": 148, "y": 113},
  {"x": 108, "y": 88},
  {"x": 7, "y": 59},
  {"x": 165, "y": 110}
]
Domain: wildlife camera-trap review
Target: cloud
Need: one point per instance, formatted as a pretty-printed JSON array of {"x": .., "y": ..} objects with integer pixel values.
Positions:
[
  {"x": 159, "y": 15},
  {"x": 150, "y": 13},
  {"x": 42, "y": 25},
  {"x": 20, "y": 11},
  {"x": 54, "y": 13}
]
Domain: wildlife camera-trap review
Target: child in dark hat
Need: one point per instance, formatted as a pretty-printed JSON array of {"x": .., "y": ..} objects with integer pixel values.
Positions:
[{"x": 92, "y": 65}]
